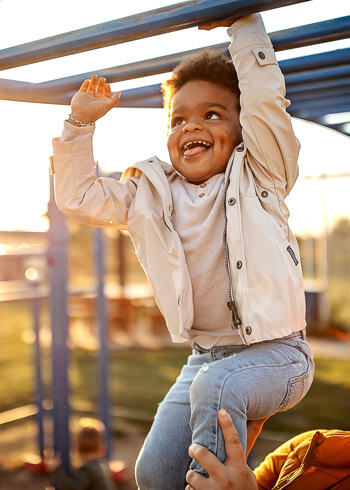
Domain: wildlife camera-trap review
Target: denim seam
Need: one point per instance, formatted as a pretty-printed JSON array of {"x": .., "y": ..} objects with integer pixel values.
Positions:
[
  {"x": 219, "y": 404},
  {"x": 291, "y": 383}
]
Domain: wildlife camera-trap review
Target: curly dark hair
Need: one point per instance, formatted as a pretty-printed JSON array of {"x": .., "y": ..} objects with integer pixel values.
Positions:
[{"x": 209, "y": 66}]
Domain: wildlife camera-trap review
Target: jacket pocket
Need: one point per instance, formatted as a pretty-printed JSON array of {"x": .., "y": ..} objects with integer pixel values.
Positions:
[{"x": 297, "y": 388}]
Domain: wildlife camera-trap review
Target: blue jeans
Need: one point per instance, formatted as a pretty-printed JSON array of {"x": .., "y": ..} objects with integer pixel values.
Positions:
[{"x": 250, "y": 382}]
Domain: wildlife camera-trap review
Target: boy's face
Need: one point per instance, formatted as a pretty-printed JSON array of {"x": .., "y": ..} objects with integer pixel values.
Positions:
[{"x": 204, "y": 130}]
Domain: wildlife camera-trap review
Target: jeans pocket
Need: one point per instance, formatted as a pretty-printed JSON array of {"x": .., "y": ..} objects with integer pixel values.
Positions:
[{"x": 298, "y": 387}]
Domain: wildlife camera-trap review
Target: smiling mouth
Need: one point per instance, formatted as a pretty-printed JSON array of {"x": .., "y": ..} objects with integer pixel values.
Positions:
[{"x": 195, "y": 148}]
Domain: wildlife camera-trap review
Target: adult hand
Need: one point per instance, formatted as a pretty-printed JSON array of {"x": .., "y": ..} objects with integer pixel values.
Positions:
[
  {"x": 219, "y": 23},
  {"x": 233, "y": 474},
  {"x": 93, "y": 100}
]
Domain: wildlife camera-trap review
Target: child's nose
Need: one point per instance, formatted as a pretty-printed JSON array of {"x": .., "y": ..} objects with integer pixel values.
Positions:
[{"x": 192, "y": 125}]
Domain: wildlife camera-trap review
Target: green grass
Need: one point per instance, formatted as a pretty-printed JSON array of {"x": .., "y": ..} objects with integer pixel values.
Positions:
[
  {"x": 138, "y": 379},
  {"x": 16, "y": 356},
  {"x": 326, "y": 405},
  {"x": 339, "y": 300}
]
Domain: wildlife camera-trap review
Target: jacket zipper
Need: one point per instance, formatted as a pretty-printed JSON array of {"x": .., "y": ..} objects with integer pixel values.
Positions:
[
  {"x": 165, "y": 221},
  {"x": 231, "y": 304},
  {"x": 302, "y": 468}
]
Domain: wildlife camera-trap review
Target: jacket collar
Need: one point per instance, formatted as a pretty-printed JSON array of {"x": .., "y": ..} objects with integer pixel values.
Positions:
[{"x": 157, "y": 173}]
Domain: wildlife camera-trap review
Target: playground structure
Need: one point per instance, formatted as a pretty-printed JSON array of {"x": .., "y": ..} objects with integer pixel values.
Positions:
[{"x": 328, "y": 74}]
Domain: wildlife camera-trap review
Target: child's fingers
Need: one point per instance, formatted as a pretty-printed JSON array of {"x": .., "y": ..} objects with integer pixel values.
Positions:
[
  {"x": 233, "y": 446},
  {"x": 84, "y": 86},
  {"x": 92, "y": 85},
  {"x": 108, "y": 91},
  {"x": 110, "y": 95},
  {"x": 206, "y": 459},
  {"x": 198, "y": 482},
  {"x": 208, "y": 27},
  {"x": 220, "y": 23},
  {"x": 100, "y": 88},
  {"x": 115, "y": 99}
]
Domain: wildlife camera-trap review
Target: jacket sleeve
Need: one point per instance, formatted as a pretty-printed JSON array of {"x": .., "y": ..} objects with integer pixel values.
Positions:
[
  {"x": 267, "y": 131},
  {"x": 79, "y": 194}
]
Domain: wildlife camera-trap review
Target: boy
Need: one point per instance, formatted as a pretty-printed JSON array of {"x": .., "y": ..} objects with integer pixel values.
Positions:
[
  {"x": 211, "y": 232},
  {"x": 93, "y": 474}
]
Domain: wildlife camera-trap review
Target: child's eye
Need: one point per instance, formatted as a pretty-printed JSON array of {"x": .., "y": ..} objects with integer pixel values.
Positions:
[
  {"x": 177, "y": 122},
  {"x": 212, "y": 115}
]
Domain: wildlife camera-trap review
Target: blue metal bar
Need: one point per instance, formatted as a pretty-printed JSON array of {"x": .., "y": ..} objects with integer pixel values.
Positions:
[
  {"x": 27, "y": 92},
  {"x": 330, "y": 65},
  {"x": 35, "y": 305},
  {"x": 129, "y": 71},
  {"x": 155, "y": 102},
  {"x": 318, "y": 103},
  {"x": 304, "y": 111},
  {"x": 316, "y": 61},
  {"x": 286, "y": 39},
  {"x": 295, "y": 89},
  {"x": 324, "y": 74},
  {"x": 58, "y": 278},
  {"x": 137, "y": 95},
  {"x": 306, "y": 35},
  {"x": 154, "y": 22},
  {"x": 151, "y": 96},
  {"x": 104, "y": 399},
  {"x": 329, "y": 93}
]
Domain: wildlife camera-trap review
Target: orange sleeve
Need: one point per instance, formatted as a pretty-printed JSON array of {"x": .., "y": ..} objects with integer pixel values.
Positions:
[{"x": 268, "y": 472}]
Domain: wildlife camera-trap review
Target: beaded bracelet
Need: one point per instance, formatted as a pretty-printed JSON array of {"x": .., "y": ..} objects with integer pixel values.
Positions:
[{"x": 79, "y": 123}]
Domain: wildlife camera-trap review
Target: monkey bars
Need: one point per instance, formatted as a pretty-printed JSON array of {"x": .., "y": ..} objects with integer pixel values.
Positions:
[
  {"x": 152, "y": 23},
  {"x": 317, "y": 85},
  {"x": 326, "y": 72}
]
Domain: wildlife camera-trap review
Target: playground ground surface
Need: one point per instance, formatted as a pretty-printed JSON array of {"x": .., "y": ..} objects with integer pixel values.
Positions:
[
  {"x": 18, "y": 439},
  {"x": 125, "y": 447}
]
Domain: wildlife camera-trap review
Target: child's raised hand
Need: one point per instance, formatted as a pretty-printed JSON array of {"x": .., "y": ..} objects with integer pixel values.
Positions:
[
  {"x": 219, "y": 23},
  {"x": 93, "y": 100}
]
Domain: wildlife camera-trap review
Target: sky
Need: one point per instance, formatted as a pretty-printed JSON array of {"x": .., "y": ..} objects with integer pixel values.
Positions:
[{"x": 127, "y": 135}]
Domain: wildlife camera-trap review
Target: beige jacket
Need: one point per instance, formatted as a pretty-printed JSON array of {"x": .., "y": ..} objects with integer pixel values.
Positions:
[{"x": 262, "y": 254}]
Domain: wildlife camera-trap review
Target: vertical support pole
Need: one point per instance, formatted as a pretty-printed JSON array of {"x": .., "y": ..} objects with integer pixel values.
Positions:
[
  {"x": 323, "y": 257},
  {"x": 38, "y": 377},
  {"x": 103, "y": 352},
  {"x": 58, "y": 274},
  {"x": 121, "y": 263},
  {"x": 102, "y": 329}
]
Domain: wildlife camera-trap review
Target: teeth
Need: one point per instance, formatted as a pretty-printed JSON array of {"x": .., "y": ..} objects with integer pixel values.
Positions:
[{"x": 198, "y": 142}]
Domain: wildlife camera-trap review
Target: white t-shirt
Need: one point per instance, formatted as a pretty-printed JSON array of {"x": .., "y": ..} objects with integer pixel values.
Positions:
[{"x": 199, "y": 219}]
